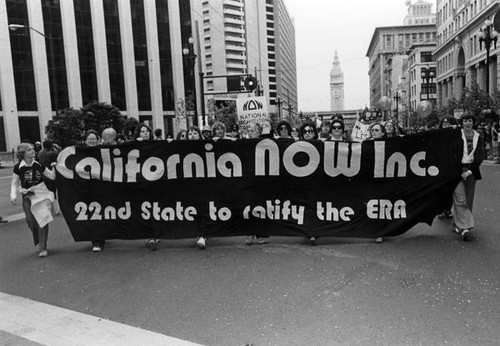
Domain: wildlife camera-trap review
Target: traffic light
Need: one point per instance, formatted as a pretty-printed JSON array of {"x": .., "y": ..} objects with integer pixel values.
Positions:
[
  {"x": 233, "y": 83},
  {"x": 251, "y": 83}
]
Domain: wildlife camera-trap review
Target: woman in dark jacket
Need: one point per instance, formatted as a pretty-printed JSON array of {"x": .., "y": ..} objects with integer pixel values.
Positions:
[{"x": 463, "y": 196}]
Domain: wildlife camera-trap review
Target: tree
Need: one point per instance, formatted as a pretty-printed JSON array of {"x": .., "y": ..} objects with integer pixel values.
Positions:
[
  {"x": 69, "y": 125},
  {"x": 66, "y": 127},
  {"x": 226, "y": 113},
  {"x": 98, "y": 116},
  {"x": 475, "y": 100}
]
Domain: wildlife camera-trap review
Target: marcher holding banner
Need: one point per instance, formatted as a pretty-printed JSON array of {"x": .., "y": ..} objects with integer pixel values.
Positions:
[
  {"x": 308, "y": 132},
  {"x": 194, "y": 133},
  {"x": 92, "y": 140},
  {"x": 284, "y": 130},
  {"x": 219, "y": 131},
  {"x": 337, "y": 130},
  {"x": 444, "y": 123},
  {"x": 28, "y": 179},
  {"x": 324, "y": 130},
  {"x": 143, "y": 133},
  {"x": 254, "y": 132},
  {"x": 377, "y": 132},
  {"x": 463, "y": 196}
]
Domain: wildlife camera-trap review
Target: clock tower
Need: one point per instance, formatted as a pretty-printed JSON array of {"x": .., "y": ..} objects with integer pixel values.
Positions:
[{"x": 336, "y": 86}]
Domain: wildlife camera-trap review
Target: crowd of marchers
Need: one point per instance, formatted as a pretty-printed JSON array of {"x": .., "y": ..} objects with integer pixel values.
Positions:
[{"x": 36, "y": 162}]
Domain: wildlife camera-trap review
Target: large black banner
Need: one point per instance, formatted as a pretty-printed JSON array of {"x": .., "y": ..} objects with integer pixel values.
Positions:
[{"x": 183, "y": 189}]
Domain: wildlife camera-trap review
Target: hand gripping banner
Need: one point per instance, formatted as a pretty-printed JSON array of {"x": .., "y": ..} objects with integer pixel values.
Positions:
[{"x": 185, "y": 189}]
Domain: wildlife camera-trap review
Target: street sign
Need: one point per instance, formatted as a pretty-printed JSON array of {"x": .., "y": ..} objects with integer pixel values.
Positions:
[
  {"x": 225, "y": 96},
  {"x": 251, "y": 109}
]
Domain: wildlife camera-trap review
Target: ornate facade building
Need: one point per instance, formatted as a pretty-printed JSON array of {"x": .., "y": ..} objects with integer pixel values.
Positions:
[{"x": 460, "y": 55}]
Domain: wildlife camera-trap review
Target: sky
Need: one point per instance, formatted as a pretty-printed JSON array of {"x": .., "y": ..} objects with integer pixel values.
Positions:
[{"x": 346, "y": 26}]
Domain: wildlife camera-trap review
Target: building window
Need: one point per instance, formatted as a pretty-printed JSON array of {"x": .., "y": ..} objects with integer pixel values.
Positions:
[
  {"x": 22, "y": 60},
  {"x": 141, "y": 55},
  {"x": 114, "y": 48},
  {"x": 167, "y": 84},
  {"x": 88, "y": 75},
  {"x": 425, "y": 56}
]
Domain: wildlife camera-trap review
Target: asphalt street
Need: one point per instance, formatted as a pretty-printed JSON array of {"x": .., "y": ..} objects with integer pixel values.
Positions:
[{"x": 425, "y": 287}]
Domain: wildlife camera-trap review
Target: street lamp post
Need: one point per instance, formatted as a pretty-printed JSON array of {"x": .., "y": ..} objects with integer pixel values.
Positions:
[
  {"x": 427, "y": 75},
  {"x": 190, "y": 57},
  {"x": 14, "y": 27},
  {"x": 487, "y": 36},
  {"x": 397, "y": 97}
]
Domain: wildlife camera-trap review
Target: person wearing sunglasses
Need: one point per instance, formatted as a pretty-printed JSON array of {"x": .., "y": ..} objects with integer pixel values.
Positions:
[
  {"x": 308, "y": 132},
  {"x": 337, "y": 131},
  {"x": 377, "y": 131},
  {"x": 284, "y": 130}
]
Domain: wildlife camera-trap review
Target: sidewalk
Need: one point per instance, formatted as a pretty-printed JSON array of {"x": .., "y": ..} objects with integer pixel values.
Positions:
[{"x": 27, "y": 322}]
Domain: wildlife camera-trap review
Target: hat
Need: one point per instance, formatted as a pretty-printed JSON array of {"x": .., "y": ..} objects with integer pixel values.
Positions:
[{"x": 206, "y": 128}]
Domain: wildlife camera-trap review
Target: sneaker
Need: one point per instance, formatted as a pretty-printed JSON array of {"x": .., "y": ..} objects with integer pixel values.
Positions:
[
  {"x": 249, "y": 240},
  {"x": 379, "y": 240},
  {"x": 43, "y": 253},
  {"x": 261, "y": 240},
  {"x": 312, "y": 240},
  {"x": 2, "y": 220},
  {"x": 96, "y": 248},
  {"x": 466, "y": 236},
  {"x": 152, "y": 244},
  {"x": 201, "y": 243}
]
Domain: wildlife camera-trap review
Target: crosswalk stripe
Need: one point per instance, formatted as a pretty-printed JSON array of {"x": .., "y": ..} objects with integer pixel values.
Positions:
[{"x": 50, "y": 325}]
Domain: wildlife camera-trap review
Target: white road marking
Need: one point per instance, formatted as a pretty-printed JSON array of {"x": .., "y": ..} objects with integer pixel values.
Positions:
[{"x": 50, "y": 325}]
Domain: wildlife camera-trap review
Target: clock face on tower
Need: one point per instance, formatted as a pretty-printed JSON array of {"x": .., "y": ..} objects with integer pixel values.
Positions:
[{"x": 336, "y": 92}]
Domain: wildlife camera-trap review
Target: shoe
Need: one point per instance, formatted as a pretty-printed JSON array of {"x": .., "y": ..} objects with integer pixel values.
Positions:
[
  {"x": 249, "y": 240},
  {"x": 312, "y": 240},
  {"x": 96, "y": 248},
  {"x": 456, "y": 230},
  {"x": 379, "y": 240},
  {"x": 43, "y": 253},
  {"x": 466, "y": 236},
  {"x": 2, "y": 220},
  {"x": 152, "y": 244},
  {"x": 261, "y": 240},
  {"x": 201, "y": 243}
]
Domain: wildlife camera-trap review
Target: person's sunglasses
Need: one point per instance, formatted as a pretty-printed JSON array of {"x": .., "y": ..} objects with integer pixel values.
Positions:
[
  {"x": 308, "y": 131},
  {"x": 283, "y": 128}
]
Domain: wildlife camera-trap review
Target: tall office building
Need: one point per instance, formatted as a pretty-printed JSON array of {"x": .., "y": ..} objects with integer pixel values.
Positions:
[
  {"x": 60, "y": 54},
  {"x": 254, "y": 37}
]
